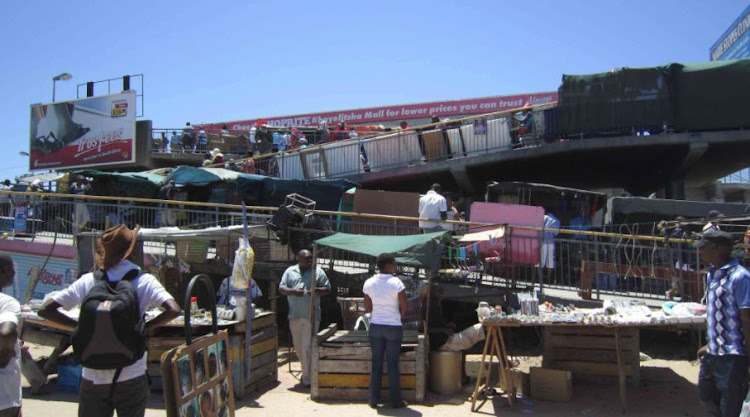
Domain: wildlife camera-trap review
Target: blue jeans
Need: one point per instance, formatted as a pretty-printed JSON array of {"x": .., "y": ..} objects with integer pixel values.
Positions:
[
  {"x": 385, "y": 341},
  {"x": 722, "y": 384}
]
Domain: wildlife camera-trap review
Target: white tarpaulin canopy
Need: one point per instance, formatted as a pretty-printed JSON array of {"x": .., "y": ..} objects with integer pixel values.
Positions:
[
  {"x": 43, "y": 177},
  {"x": 483, "y": 236},
  {"x": 207, "y": 234}
]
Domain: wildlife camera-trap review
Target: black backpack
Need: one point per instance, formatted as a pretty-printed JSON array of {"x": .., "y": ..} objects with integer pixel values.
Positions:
[{"x": 110, "y": 332}]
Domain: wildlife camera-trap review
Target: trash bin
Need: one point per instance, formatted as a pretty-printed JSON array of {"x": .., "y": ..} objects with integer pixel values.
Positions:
[{"x": 445, "y": 372}]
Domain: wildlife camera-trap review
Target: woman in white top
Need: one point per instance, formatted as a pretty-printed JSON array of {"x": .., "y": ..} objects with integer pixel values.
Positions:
[{"x": 386, "y": 300}]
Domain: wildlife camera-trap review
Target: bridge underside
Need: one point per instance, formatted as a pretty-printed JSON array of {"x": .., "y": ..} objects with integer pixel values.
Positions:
[{"x": 640, "y": 164}]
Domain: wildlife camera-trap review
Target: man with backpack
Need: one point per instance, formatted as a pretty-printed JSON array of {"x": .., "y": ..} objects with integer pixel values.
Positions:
[{"x": 109, "y": 337}]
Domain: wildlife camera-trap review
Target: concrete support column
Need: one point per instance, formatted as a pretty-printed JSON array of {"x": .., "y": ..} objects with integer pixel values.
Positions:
[
  {"x": 674, "y": 189},
  {"x": 463, "y": 180}
]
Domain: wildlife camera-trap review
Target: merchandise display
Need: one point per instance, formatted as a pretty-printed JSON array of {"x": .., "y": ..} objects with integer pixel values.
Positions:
[{"x": 620, "y": 312}]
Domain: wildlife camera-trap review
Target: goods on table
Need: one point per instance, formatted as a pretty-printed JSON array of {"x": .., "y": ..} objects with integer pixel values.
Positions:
[{"x": 622, "y": 312}]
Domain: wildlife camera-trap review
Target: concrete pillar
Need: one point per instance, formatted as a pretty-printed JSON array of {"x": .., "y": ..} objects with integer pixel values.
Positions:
[
  {"x": 462, "y": 178},
  {"x": 674, "y": 189}
]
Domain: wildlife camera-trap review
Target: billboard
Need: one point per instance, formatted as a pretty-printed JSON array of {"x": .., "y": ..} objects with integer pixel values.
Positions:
[
  {"x": 734, "y": 43},
  {"x": 93, "y": 131},
  {"x": 375, "y": 115}
]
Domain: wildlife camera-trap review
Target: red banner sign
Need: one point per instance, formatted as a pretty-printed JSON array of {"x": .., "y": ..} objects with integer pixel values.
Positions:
[{"x": 375, "y": 115}]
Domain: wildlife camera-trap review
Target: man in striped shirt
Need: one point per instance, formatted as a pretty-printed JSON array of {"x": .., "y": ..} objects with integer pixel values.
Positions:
[{"x": 722, "y": 381}]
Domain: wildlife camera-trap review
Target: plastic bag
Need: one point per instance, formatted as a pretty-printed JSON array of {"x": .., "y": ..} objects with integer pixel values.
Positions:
[{"x": 244, "y": 260}]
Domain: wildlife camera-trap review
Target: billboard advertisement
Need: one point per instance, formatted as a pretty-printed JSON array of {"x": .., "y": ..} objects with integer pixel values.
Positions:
[
  {"x": 93, "y": 131},
  {"x": 375, "y": 115},
  {"x": 735, "y": 42}
]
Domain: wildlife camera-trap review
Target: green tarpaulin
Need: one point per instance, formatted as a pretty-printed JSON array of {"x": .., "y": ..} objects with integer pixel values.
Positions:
[
  {"x": 123, "y": 184},
  {"x": 712, "y": 95},
  {"x": 702, "y": 96},
  {"x": 424, "y": 250},
  {"x": 615, "y": 101}
]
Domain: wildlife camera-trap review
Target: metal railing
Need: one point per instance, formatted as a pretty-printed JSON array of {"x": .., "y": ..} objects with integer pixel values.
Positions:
[
  {"x": 467, "y": 137},
  {"x": 587, "y": 263},
  {"x": 592, "y": 264},
  {"x": 740, "y": 177}
]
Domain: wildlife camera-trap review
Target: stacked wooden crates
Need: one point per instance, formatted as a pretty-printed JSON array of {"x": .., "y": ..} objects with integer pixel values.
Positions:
[
  {"x": 264, "y": 343},
  {"x": 264, "y": 353},
  {"x": 592, "y": 350},
  {"x": 341, "y": 366}
]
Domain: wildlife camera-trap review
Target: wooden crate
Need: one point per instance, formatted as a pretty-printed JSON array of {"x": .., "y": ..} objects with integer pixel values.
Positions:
[
  {"x": 341, "y": 366},
  {"x": 591, "y": 350},
  {"x": 264, "y": 344}
]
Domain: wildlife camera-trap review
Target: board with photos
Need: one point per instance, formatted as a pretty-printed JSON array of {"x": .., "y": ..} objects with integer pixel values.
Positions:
[{"x": 200, "y": 378}]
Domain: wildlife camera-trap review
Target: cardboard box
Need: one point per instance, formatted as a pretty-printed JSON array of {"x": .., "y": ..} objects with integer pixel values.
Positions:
[
  {"x": 521, "y": 382},
  {"x": 551, "y": 384}
]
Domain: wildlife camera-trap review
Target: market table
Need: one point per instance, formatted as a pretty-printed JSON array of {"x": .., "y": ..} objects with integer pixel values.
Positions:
[{"x": 622, "y": 338}]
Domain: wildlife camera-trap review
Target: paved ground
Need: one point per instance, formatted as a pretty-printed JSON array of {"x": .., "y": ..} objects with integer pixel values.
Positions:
[{"x": 667, "y": 389}]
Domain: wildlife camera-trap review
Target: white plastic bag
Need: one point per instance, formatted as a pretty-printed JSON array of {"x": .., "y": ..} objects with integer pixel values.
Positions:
[{"x": 244, "y": 260}]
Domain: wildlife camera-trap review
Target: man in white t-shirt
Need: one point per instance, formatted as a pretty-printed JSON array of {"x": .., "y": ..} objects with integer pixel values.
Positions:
[
  {"x": 131, "y": 388},
  {"x": 432, "y": 206},
  {"x": 10, "y": 350}
]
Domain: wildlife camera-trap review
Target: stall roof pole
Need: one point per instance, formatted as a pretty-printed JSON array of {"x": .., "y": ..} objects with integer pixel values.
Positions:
[
  {"x": 429, "y": 296},
  {"x": 313, "y": 284}
]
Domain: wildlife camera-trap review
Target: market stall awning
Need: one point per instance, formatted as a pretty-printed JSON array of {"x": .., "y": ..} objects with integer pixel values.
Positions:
[
  {"x": 123, "y": 184},
  {"x": 43, "y": 177},
  {"x": 200, "y": 177},
  {"x": 424, "y": 250},
  {"x": 270, "y": 191},
  {"x": 483, "y": 236}
]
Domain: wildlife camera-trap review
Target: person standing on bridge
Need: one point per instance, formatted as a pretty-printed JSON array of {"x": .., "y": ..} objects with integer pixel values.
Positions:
[{"x": 432, "y": 207}]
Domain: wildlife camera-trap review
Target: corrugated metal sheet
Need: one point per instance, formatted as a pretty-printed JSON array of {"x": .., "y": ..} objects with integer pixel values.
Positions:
[{"x": 57, "y": 274}]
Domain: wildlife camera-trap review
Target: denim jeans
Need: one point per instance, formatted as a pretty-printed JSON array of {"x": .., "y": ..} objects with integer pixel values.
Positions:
[
  {"x": 722, "y": 384},
  {"x": 385, "y": 341}
]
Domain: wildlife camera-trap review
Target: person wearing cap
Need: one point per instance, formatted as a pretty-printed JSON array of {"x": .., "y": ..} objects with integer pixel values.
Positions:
[
  {"x": 722, "y": 379},
  {"x": 113, "y": 250},
  {"x": 302, "y": 143}
]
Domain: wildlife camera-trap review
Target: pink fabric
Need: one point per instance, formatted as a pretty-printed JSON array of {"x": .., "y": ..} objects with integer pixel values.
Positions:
[{"x": 524, "y": 244}]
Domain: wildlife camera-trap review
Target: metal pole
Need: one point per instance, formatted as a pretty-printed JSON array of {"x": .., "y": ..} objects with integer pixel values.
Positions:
[
  {"x": 53, "y": 89},
  {"x": 596, "y": 268},
  {"x": 313, "y": 283}
]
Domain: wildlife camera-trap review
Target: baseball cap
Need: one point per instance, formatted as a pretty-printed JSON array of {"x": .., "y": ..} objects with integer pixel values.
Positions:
[{"x": 716, "y": 237}]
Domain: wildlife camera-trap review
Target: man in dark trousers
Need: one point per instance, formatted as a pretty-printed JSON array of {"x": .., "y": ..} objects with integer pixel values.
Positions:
[
  {"x": 722, "y": 381},
  {"x": 131, "y": 388}
]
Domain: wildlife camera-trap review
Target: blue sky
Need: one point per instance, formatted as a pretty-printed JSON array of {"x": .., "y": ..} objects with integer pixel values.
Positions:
[{"x": 229, "y": 60}]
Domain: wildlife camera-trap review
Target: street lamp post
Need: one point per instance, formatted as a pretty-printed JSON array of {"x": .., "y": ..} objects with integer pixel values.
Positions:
[{"x": 61, "y": 77}]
